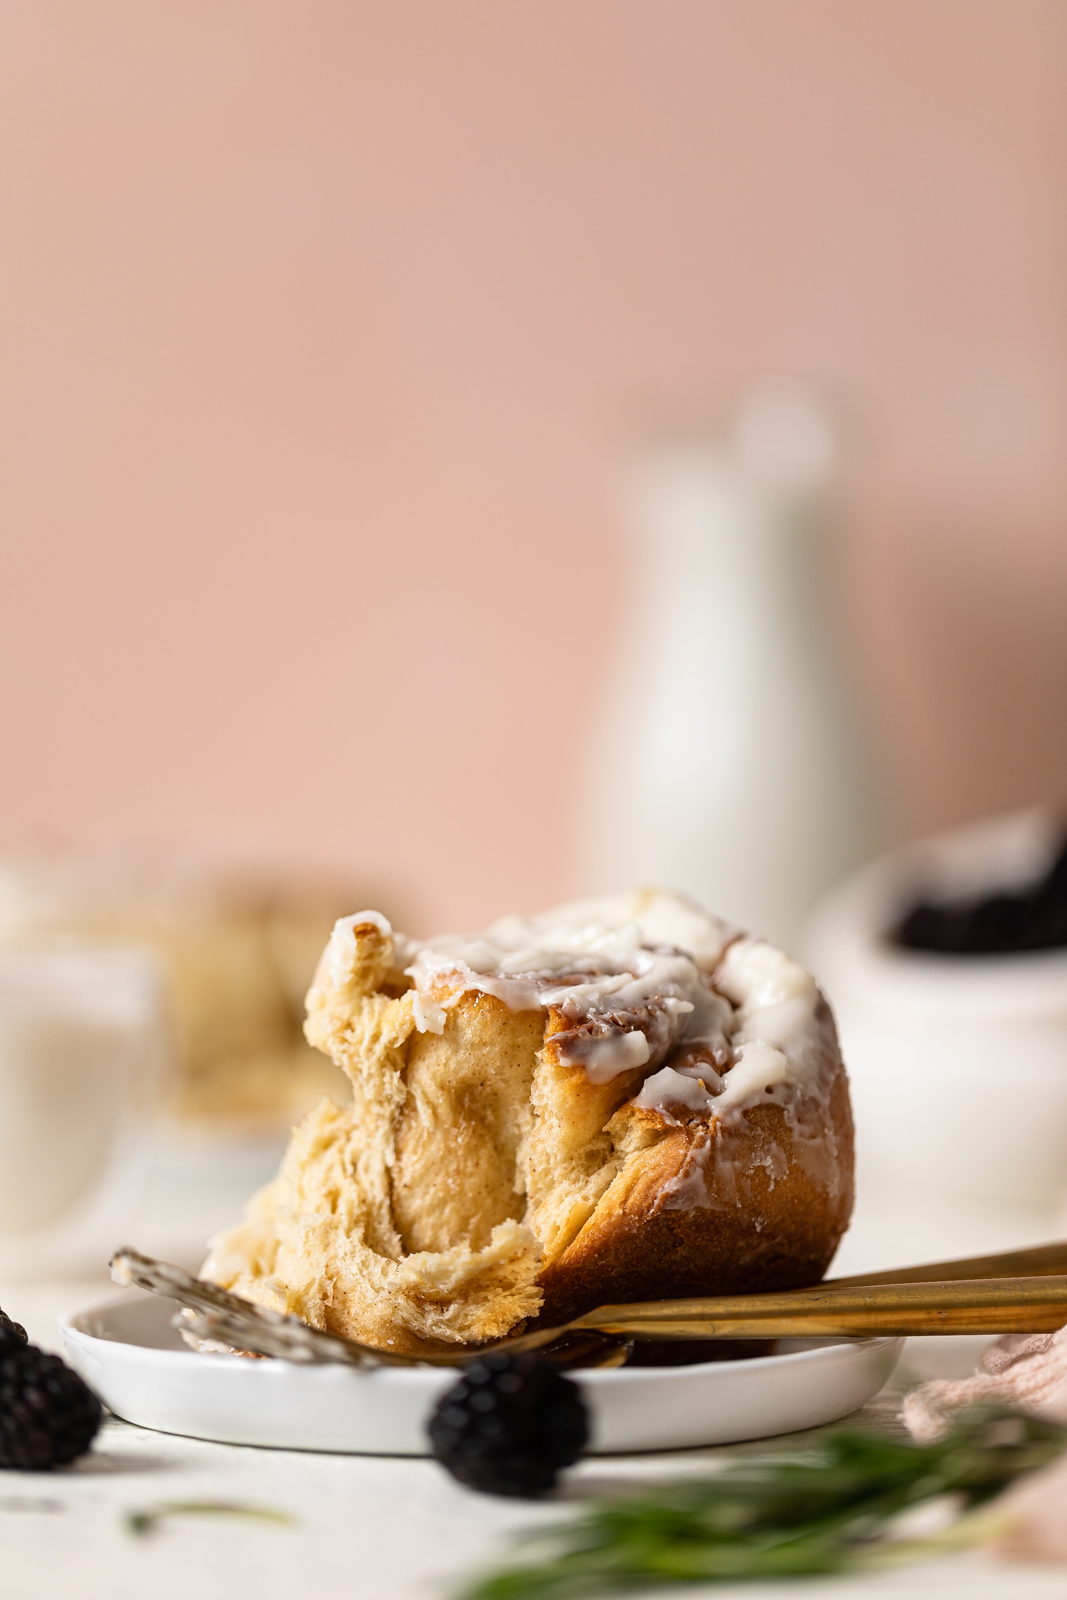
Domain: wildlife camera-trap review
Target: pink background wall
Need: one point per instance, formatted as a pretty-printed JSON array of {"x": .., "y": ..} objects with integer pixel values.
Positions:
[{"x": 323, "y": 328}]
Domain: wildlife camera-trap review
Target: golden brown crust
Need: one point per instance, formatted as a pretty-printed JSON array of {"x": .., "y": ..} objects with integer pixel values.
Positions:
[{"x": 769, "y": 1221}]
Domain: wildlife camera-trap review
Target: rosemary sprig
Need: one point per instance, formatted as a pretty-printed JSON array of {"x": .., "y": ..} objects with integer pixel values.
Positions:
[
  {"x": 149, "y": 1517},
  {"x": 827, "y": 1508}
]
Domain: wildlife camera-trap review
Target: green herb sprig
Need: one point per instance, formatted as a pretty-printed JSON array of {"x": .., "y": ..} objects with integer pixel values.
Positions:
[
  {"x": 827, "y": 1508},
  {"x": 148, "y": 1519}
]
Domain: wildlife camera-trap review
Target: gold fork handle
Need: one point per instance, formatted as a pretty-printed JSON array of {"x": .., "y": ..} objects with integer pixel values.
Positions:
[
  {"x": 991, "y": 1305},
  {"x": 781, "y": 1316},
  {"x": 1038, "y": 1261},
  {"x": 854, "y": 1325}
]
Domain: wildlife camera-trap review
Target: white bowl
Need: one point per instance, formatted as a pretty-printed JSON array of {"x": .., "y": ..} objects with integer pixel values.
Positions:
[
  {"x": 127, "y": 1351},
  {"x": 958, "y": 1063}
]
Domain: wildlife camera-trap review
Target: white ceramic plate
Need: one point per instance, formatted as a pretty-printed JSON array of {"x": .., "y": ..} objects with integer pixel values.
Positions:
[{"x": 138, "y": 1365}]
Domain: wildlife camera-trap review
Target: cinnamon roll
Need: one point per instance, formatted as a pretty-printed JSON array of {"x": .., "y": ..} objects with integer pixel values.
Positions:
[{"x": 620, "y": 1099}]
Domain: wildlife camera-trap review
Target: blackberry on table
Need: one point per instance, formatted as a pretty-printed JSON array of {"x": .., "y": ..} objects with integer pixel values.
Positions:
[
  {"x": 48, "y": 1416},
  {"x": 12, "y": 1333},
  {"x": 509, "y": 1425}
]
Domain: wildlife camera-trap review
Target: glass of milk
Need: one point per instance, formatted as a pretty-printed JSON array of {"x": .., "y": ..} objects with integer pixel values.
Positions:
[{"x": 80, "y": 1051}]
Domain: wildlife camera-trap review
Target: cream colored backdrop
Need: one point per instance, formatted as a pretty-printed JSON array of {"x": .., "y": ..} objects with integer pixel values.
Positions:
[{"x": 324, "y": 326}]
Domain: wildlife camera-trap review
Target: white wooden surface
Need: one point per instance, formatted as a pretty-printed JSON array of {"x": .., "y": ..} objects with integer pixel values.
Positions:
[{"x": 365, "y": 1529}]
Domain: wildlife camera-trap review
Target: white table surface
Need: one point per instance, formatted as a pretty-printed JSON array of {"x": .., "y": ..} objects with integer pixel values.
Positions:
[{"x": 392, "y": 1529}]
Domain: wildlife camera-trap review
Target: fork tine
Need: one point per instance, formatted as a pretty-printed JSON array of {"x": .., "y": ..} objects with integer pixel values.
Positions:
[{"x": 237, "y": 1321}]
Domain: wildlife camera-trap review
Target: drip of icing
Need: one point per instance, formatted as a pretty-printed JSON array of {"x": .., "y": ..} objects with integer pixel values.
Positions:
[
  {"x": 668, "y": 1088},
  {"x": 777, "y": 1043},
  {"x": 758, "y": 1071},
  {"x": 340, "y": 954},
  {"x": 605, "y": 1055},
  {"x": 429, "y": 1016}
]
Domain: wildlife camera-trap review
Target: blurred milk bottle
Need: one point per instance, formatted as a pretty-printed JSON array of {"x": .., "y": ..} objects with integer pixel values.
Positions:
[{"x": 726, "y": 760}]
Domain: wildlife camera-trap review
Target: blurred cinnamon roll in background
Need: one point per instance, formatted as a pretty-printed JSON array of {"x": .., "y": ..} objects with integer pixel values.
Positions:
[{"x": 235, "y": 953}]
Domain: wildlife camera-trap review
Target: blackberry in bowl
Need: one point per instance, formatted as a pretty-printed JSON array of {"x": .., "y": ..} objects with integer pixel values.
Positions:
[{"x": 946, "y": 962}]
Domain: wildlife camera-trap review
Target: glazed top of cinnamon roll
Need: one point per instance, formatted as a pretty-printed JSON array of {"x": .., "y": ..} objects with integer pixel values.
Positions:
[{"x": 721, "y": 1020}]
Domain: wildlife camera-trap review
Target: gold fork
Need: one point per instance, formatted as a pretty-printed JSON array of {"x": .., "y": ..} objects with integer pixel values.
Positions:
[{"x": 1022, "y": 1291}]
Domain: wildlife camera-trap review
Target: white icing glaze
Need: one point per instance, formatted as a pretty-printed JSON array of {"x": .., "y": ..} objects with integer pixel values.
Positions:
[
  {"x": 429, "y": 1016},
  {"x": 758, "y": 1070},
  {"x": 604, "y": 1056},
  {"x": 667, "y": 1088},
  {"x": 776, "y": 1042},
  {"x": 631, "y": 973},
  {"x": 640, "y": 978},
  {"x": 340, "y": 953}
]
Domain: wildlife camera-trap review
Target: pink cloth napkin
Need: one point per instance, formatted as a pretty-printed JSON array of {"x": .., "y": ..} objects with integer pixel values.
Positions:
[
  {"x": 1025, "y": 1370},
  {"x": 1029, "y": 1373}
]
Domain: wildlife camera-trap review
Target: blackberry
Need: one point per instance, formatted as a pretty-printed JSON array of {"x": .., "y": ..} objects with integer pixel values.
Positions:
[
  {"x": 509, "y": 1425},
  {"x": 1033, "y": 917},
  {"x": 11, "y": 1333},
  {"x": 48, "y": 1416}
]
